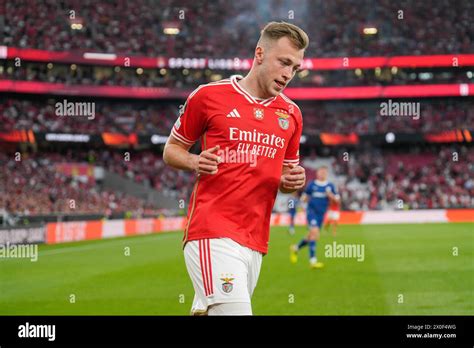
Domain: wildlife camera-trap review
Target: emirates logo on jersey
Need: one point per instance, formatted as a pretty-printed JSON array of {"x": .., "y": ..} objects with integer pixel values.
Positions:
[{"x": 258, "y": 113}]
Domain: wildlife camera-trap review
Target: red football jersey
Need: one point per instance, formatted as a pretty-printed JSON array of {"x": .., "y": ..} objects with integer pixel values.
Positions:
[{"x": 256, "y": 138}]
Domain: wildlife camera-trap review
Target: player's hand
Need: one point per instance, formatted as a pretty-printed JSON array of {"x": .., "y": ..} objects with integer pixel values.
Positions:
[
  {"x": 207, "y": 162},
  {"x": 294, "y": 179}
]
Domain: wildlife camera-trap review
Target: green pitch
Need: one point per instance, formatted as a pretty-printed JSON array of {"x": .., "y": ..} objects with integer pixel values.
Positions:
[{"x": 407, "y": 269}]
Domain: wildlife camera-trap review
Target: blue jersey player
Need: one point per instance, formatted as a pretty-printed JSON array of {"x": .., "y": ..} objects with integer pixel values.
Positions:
[{"x": 318, "y": 194}]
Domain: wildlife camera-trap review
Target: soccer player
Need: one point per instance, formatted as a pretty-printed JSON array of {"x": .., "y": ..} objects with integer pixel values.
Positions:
[
  {"x": 250, "y": 134},
  {"x": 318, "y": 194},
  {"x": 292, "y": 207},
  {"x": 333, "y": 216}
]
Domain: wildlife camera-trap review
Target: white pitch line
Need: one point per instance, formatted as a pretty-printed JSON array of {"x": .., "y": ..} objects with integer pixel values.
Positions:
[{"x": 78, "y": 248}]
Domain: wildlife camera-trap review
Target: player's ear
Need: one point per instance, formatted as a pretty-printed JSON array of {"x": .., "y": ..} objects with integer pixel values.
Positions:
[{"x": 259, "y": 50}]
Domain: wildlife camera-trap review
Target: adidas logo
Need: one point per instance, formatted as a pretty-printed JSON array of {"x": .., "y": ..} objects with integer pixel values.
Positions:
[{"x": 234, "y": 113}]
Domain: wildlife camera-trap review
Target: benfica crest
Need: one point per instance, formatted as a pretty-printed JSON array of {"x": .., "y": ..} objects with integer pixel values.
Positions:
[
  {"x": 227, "y": 286},
  {"x": 258, "y": 113},
  {"x": 283, "y": 119}
]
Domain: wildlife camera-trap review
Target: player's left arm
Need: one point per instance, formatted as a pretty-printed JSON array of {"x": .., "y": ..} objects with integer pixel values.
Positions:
[
  {"x": 332, "y": 194},
  {"x": 293, "y": 176}
]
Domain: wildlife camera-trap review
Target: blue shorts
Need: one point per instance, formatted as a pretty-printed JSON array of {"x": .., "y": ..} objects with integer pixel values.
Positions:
[{"x": 314, "y": 219}]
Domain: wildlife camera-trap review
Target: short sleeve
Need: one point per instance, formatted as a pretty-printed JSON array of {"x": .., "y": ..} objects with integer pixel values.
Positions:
[
  {"x": 192, "y": 121},
  {"x": 292, "y": 155}
]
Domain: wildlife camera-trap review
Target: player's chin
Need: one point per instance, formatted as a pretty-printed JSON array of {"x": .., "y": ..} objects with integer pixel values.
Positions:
[{"x": 275, "y": 90}]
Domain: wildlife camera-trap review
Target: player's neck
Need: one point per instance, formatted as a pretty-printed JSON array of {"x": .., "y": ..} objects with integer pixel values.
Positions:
[{"x": 251, "y": 85}]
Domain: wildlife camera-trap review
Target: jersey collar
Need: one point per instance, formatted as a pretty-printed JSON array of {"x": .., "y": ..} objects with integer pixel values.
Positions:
[
  {"x": 321, "y": 182},
  {"x": 252, "y": 100}
]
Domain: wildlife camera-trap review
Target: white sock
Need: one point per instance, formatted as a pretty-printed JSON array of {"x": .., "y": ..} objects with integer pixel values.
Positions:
[{"x": 313, "y": 260}]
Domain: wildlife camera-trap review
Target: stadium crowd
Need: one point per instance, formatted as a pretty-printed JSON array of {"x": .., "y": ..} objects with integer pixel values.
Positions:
[
  {"x": 117, "y": 117},
  {"x": 422, "y": 179},
  {"x": 33, "y": 186},
  {"x": 230, "y": 29},
  {"x": 372, "y": 179},
  {"x": 144, "y": 167},
  {"x": 125, "y": 117}
]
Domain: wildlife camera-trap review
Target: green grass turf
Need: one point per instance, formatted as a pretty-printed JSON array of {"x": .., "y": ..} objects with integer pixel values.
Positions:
[{"x": 415, "y": 261}]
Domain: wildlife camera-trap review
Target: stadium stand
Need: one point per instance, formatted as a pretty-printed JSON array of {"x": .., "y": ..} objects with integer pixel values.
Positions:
[{"x": 226, "y": 29}]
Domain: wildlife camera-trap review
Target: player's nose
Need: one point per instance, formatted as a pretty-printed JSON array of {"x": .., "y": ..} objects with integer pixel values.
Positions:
[{"x": 286, "y": 76}]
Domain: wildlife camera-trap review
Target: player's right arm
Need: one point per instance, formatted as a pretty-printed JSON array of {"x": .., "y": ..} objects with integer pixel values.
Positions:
[
  {"x": 188, "y": 128},
  {"x": 176, "y": 154}
]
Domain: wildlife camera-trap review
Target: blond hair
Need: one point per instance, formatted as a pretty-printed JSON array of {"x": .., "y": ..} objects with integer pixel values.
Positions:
[{"x": 276, "y": 30}]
